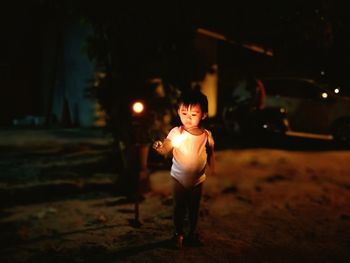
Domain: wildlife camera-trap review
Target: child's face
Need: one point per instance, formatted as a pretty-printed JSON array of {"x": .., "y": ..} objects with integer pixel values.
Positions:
[{"x": 191, "y": 116}]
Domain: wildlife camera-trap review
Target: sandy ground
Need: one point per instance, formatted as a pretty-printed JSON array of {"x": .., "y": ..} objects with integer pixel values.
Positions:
[{"x": 59, "y": 204}]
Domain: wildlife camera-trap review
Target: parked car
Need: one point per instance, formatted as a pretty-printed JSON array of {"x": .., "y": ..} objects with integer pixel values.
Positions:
[
  {"x": 296, "y": 107},
  {"x": 312, "y": 108},
  {"x": 240, "y": 118}
]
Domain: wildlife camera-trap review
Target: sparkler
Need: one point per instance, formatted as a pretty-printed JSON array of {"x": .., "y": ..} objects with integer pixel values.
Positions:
[{"x": 176, "y": 142}]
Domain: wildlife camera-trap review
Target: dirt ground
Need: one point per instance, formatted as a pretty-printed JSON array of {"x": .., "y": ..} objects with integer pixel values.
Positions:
[{"x": 59, "y": 203}]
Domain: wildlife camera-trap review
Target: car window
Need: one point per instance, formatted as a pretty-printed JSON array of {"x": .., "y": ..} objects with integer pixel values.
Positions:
[
  {"x": 273, "y": 87},
  {"x": 309, "y": 91},
  {"x": 291, "y": 88}
]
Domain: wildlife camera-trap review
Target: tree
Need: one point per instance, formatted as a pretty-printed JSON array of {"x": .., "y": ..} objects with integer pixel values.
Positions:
[{"x": 130, "y": 44}]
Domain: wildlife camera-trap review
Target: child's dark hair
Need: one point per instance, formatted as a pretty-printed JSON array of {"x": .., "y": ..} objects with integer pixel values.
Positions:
[{"x": 193, "y": 97}]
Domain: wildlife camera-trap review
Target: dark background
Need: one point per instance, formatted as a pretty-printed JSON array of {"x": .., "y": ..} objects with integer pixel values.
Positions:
[{"x": 307, "y": 37}]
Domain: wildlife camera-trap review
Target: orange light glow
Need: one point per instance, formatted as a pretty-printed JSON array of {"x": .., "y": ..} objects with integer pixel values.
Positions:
[
  {"x": 176, "y": 142},
  {"x": 138, "y": 107}
]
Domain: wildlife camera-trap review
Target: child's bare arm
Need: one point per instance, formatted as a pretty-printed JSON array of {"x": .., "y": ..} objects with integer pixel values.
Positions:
[
  {"x": 211, "y": 160},
  {"x": 164, "y": 147}
]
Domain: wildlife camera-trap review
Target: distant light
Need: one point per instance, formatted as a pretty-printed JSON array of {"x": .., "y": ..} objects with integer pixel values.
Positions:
[
  {"x": 138, "y": 107},
  {"x": 336, "y": 90},
  {"x": 322, "y": 73},
  {"x": 324, "y": 95}
]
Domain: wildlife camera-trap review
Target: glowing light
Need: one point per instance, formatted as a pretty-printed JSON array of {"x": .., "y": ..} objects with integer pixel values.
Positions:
[
  {"x": 176, "y": 142},
  {"x": 324, "y": 95},
  {"x": 138, "y": 107},
  {"x": 336, "y": 90}
]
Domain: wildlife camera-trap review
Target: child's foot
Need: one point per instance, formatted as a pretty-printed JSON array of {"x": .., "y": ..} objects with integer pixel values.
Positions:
[{"x": 194, "y": 240}]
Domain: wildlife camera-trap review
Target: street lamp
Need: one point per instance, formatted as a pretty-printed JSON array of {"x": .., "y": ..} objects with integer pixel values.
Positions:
[
  {"x": 138, "y": 110},
  {"x": 138, "y": 107}
]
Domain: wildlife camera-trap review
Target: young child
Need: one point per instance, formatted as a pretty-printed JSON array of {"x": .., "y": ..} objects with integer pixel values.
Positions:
[{"x": 192, "y": 147}]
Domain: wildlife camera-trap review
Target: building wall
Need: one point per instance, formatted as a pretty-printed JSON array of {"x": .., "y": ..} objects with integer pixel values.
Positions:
[{"x": 207, "y": 50}]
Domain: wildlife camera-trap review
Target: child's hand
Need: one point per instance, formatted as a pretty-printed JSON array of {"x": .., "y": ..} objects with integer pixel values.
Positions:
[
  {"x": 162, "y": 147},
  {"x": 157, "y": 144}
]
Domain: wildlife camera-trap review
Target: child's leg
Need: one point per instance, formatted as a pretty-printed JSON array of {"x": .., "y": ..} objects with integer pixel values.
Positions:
[
  {"x": 179, "y": 196},
  {"x": 194, "y": 204}
]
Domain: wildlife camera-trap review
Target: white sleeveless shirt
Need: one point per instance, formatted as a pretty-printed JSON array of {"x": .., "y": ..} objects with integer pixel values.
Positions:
[{"x": 189, "y": 156}]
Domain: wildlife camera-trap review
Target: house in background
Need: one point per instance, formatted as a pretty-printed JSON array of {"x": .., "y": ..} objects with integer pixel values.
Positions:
[{"x": 227, "y": 61}]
